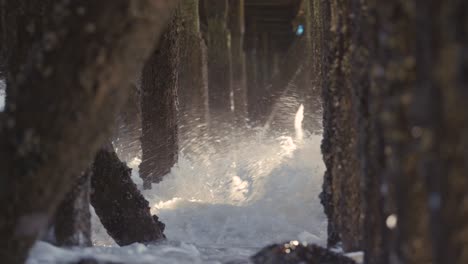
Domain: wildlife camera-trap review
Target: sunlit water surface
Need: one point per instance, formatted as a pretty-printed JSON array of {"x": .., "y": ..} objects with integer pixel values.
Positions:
[{"x": 225, "y": 204}]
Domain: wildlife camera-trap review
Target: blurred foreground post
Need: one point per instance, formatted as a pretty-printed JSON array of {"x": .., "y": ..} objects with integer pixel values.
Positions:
[
  {"x": 395, "y": 118},
  {"x": 420, "y": 74},
  {"x": 65, "y": 106},
  {"x": 72, "y": 225}
]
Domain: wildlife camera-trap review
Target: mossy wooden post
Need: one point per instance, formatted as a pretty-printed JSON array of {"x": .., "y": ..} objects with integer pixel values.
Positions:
[
  {"x": 121, "y": 208},
  {"x": 219, "y": 61},
  {"x": 396, "y": 77},
  {"x": 159, "y": 141},
  {"x": 420, "y": 69},
  {"x": 342, "y": 191},
  {"x": 65, "y": 107},
  {"x": 443, "y": 122},
  {"x": 368, "y": 104},
  {"x": 397, "y": 68},
  {"x": 239, "y": 83},
  {"x": 326, "y": 196},
  {"x": 193, "y": 79},
  {"x": 22, "y": 23}
]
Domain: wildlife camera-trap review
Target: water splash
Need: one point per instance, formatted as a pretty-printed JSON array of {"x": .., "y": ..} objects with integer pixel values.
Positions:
[
  {"x": 233, "y": 197},
  {"x": 263, "y": 190},
  {"x": 298, "y": 123}
]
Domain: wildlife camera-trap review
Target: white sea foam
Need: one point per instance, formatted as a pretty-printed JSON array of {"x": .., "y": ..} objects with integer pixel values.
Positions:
[{"x": 226, "y": 203}]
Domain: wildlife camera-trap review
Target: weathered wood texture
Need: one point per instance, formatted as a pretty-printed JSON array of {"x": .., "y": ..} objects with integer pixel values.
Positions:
[
  {"x": 118, "y": 203},
  {"x": 369, "y": 103},
  {"x": 441, "y": 112},
  {"x": 159, "y": 141},
  {"x": 418, "y": 70},
  {"x": 342, "y": 191},
  {"x": 66, "y": 103},
  {"x": 72, "y": 225},
  {"x": 323, "y": 20},
  {"x": 399, "y": 69},
  {"x": 22, "y": 24}
]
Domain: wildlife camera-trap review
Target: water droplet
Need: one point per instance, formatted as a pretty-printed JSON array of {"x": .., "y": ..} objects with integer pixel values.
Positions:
[{"x": 392, "y": 221}]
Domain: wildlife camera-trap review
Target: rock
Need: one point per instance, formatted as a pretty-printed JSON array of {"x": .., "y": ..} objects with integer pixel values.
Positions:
[{"x": 294, "y": 253}]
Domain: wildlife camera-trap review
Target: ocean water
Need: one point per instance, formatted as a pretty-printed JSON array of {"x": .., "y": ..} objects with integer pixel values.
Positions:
[{"x": 224, "y": 203}]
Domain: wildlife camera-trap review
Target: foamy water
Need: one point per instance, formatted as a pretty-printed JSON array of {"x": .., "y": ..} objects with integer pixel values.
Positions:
[{"x": 226, "y": 203}]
